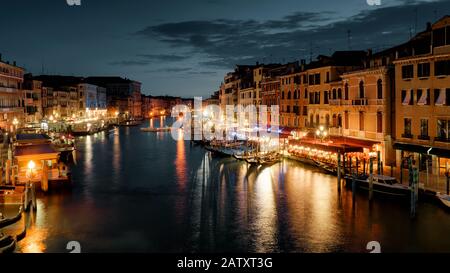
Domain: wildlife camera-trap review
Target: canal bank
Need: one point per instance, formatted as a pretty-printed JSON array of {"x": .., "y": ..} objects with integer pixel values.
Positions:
[{"x": 140, "y": 192}]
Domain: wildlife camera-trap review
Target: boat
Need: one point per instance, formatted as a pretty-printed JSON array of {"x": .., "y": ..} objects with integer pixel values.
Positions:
[
  {"x": 326, "y": 167},
  {"x": 269, "y": 160},
  {"x": 225, "y": 148},
  {"x": 383, "y": 184},
  {"x": 63, "y": 143},
  {"x": 444, "y": 199},
  {"x": 155, "y": 130},
  {"x": 133, "y": 122},
  {"x": 9, "y": 247}
]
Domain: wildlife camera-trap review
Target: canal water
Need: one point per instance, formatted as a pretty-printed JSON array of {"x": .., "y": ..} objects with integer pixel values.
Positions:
[{"x": 146, "y": 192}]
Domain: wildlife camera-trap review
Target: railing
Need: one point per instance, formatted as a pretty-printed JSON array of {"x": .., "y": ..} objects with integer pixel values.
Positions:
[
  {"x": 358, "y": 102},
  {"x": 377, "y": 102},
  {"x": 8, "y": 89},
  {"x": 442, "y": 139},
  {"x": 407, "y": 135},
  {"x": 337, "y": 102},
  {"x": 335, "y": 131},
  {"x": 424, "y": 137}
]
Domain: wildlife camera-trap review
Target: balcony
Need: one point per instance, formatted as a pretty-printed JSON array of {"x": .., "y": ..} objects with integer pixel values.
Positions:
[
  {"x": 442, "y": 139},
  {"x": 336, "y": 131},
  {"x": 377, "y": 102},
  {"x": 8, "y": 89},
  {"x": 338, "y": 102},
  {"x": 424, "y": 137},
  {"x": 360, "y": 102},
  {"x": 10, "y": 109}
]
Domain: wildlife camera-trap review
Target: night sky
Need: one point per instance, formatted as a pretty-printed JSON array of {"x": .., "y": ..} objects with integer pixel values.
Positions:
[{"x": 184, "y": 48}]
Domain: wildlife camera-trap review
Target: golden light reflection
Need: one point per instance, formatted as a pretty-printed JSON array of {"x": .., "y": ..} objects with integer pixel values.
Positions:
[
  {"x": 116, "y": 155},
  {"x": 34, "y": 241},
  {"x": 180, "y": 161},
  {"x": 266, "y": 212},
  {"x": 36, "y": 233},
  {"x": 311, "y": 202}
]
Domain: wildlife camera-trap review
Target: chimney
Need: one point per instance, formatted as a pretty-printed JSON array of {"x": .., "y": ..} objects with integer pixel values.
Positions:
[
  {"x": 0, "y": 57},
  {"x": 428, "y": 26},
  {"x": 302, "y": 61},
  {"x": 257, "y": 63},
  {"x": 14, "y": 63},
  {"x": 369, "y": 52}
]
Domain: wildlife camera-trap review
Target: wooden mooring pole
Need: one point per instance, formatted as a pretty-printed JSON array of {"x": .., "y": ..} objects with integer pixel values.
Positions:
[
  {"x": 339, "y": 171},
  {"x": 353, "y": 185},
  {"x": 379, "y": 162},
  {"x": 357, "y": 166},
  {"x": 370, "y": 179},
  {"x": 414, "y": 191}
]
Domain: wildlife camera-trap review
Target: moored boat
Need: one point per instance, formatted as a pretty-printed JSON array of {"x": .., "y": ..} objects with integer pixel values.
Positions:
[
  {"x": 386, "y": 185},
  {"x": 444, "y": 199},
  {"x": 156, "y": 130}
]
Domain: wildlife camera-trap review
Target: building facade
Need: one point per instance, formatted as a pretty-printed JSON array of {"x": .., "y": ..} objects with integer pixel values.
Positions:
[
  {"x": 11, "y": 96},
  {"x": 422, "y": 101}
]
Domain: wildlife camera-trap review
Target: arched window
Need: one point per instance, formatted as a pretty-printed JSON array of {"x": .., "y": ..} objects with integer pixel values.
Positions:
[
  {"x": 361, "y": 90},
  {"x": 327, "y": 121},
  {"x": 346, "y": 91},
  {"x": 317, "y": 120},
  {"x": 379, "y": 89},
  {"x": 306, "y": 93},
  {"x": 311, "y": 120},
  {"x": 334, "y": 120},
  {"x": 339, "y": 93},
  {"x": 339, "y": 121},
  {"x": 282, "y": 95},
  {"x": 334, "y": 94},
  {"x": 289, "y": 95}
]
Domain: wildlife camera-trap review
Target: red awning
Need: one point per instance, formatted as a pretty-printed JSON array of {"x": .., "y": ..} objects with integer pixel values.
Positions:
[{"x": 34, "y": 150}]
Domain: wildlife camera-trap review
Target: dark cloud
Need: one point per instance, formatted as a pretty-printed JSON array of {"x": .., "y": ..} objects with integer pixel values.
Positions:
[
  {"x": 170, "y": 70},
  {"x": 130, "y": 63},
  {"x": 202, "y": 73},
  {"x": 300, "y": 35},
  {"x": 147, "y": 59},
  {"x": 163, "y": 57}
]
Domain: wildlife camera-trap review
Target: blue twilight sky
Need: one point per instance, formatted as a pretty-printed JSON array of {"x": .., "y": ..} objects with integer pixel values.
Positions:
[{"x": 180, "y": 47}]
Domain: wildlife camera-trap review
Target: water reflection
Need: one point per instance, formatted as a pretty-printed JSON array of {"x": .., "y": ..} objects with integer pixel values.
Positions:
[
  {"x": 265, "y": 223},
  {"x": 135, "y": 191},
  {"x": 180, "y": 161}
]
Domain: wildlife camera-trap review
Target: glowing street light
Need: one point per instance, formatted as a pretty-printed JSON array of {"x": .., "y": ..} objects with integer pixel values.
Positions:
[
  {"x": 321, "y": 132},
  {"x": 31, "y": 166}
]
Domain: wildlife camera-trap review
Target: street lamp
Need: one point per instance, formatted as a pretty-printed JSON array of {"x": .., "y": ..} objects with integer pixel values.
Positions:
[
  {"x": 31, "y": 165},
  {"x": 15, "y": 123},
  {"x": 321, "y": 132}
]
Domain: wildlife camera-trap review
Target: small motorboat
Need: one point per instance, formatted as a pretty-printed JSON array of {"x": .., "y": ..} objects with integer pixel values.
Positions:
[
  {"x": 156, "y": 130},
  {"x": 386, "y": 185},
  {"x": 444, "y": 199}
]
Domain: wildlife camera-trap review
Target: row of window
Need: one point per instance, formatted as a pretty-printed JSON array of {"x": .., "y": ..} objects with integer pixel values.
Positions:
[
  {"x": 441, "y": 68},
  {"x": 442, "y": 129},
  {"x": 295, "y": 109},
  {"x": 440, "y": 97},
  {"x": 337, "y": 121},
  {"x": 314, "y": 97}
]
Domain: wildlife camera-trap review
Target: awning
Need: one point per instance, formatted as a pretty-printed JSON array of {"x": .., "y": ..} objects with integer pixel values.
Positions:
[
  {"x": 27, "y": 150},
  {"x": 441, "y": 152}
]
